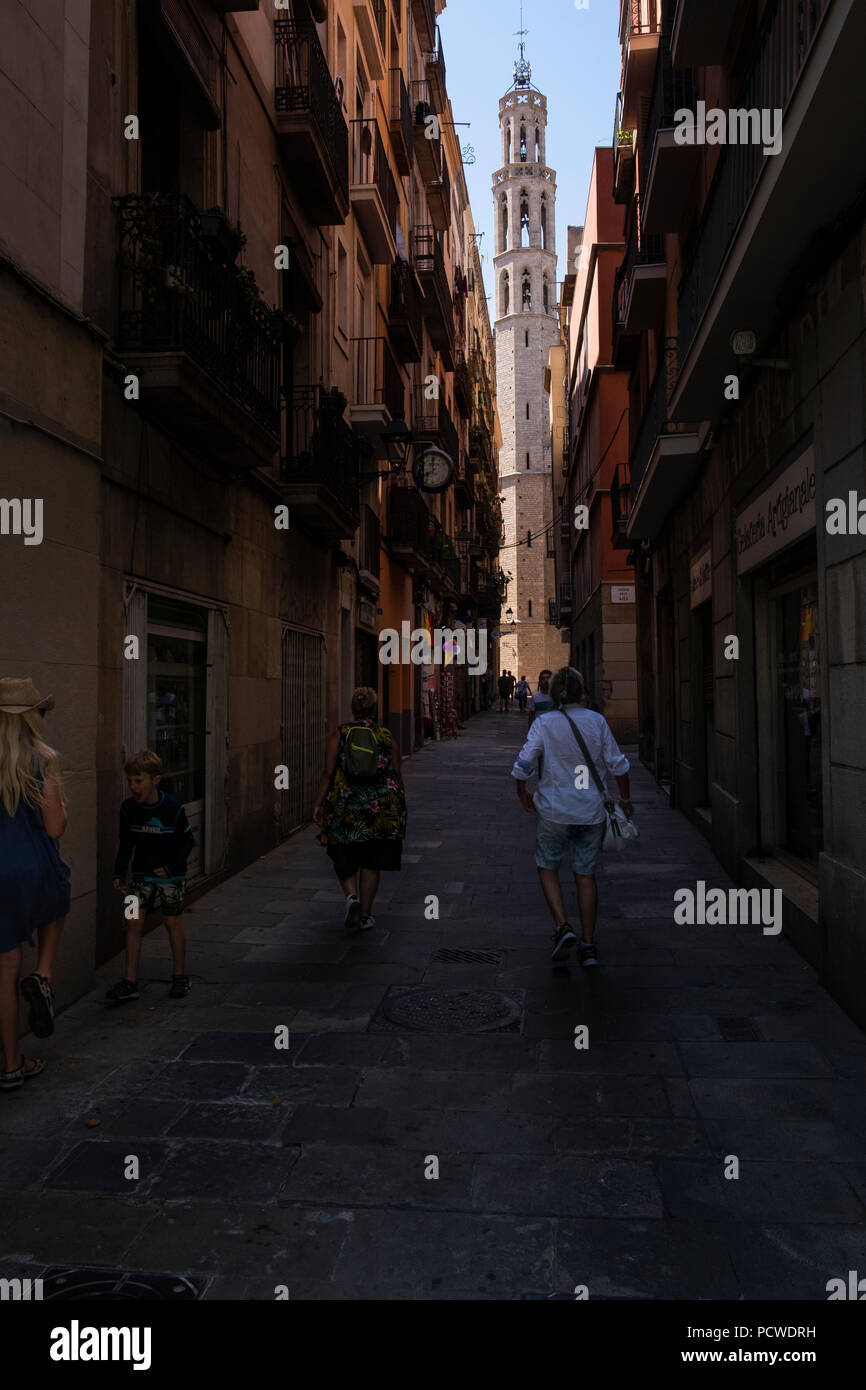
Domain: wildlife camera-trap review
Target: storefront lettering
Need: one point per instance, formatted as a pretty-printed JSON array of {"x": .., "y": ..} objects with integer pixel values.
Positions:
[{"x": 781, "y": 514}]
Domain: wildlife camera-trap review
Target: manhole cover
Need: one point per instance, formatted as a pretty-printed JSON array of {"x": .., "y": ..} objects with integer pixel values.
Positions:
[
  {"x": 457, "y": 957},
  {"x": 451, "y": 1010},
  {"x": 117, "y": 1285}
]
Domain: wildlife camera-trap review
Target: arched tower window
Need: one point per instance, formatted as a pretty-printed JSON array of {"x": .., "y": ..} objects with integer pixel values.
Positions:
[
  {"x": 508, "y": 143},
  {"x": 544, "y": 221},
  {"x": 523, "y": 144},
  {"x": 527, "y": 291},
  {"x": 504, "y": 222},
  {"x": 524, "y": 219},
  {"x": 506, "y": 294},
  {"x": 546, "y": 294},
  {"x": 537, "y": 145}
]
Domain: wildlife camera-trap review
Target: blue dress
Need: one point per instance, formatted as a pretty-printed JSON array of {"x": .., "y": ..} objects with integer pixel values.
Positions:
[{"x": 34, "y": 878}]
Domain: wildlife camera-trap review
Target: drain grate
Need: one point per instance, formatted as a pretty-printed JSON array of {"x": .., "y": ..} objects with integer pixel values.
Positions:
[
  {"x": 452, "y": 1010},
  {"x": 738, "y": 1030},
  {"x": 119, "y": 1285},
  {"x": 457, "y": 957}
]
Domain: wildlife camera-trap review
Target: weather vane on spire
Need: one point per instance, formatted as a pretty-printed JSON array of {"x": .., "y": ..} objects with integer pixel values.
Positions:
[{"x": 522, "y": 69}]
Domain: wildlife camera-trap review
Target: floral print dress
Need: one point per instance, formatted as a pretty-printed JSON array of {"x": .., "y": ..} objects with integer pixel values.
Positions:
[{"x": 355, "y": 811}]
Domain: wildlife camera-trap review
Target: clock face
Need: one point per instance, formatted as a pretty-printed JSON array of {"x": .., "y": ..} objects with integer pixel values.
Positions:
[{"x": 434, "y": 471}]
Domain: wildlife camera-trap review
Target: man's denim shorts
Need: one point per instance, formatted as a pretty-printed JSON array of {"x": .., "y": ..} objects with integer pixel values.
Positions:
[{"x": 551, "y": 842}]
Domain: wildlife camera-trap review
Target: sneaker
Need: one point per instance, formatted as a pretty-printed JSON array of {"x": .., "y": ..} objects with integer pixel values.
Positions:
[
  {"x": 122, "y": 992},
  {"x": 353, "y": 912},
  {"x": 40, "y": 996},
  {"x": 366, "y": 923},
  {"x": 180, "y": 987},
  {"x": 587, "y": 954},
  {"x": 563, "y": 940}
]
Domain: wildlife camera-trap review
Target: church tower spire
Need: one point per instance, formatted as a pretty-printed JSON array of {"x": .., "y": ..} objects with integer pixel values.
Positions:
[{"x": 526, "y": 326}]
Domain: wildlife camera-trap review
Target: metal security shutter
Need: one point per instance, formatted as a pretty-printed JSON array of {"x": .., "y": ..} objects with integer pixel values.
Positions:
[{"x": 302, "y": 731}]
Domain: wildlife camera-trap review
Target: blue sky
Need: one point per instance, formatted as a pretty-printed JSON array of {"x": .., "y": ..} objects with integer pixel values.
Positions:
[{"x": 575, "y": 61}]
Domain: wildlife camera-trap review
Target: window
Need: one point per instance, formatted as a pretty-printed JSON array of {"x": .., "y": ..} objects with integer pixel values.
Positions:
[
  {"x": 524, "y": 221},
  {"x": 342, "y": 290},
  {"x": 505, "y": 294},
  {"x": 527, "y": 337},
  {"x": 537, "y": 145},
  {"x": 527, "y": 410},
  {"x": 529, "y": 540},
  {"x": 504, "y": 223},
  {"x": 527, "y": 460},
  {"x": 527, "y": 291},
  {"x": 546, "y": 294},
  {"x": 508, "y": 144},
  {"x": 523, "y": 144},
  {"x": 530, "y": 608},
  {"x": 543, "y": 222}
]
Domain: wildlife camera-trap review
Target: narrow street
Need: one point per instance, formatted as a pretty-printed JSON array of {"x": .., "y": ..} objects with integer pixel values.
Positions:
[{"x": 557, "y": 1167}]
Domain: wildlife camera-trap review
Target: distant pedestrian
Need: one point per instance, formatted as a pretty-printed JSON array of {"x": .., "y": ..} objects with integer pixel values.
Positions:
[
  {"x": 34, "y": 879},
  {"x": 569, "y": 813},
  {"x": 155, "y": 843},
  {"x": 361, "y": 807},
  {"x": 511, "y": 684},
  {"x": 522, "y": 690},
  {"x": 540, "y": 701},
  {"x": 503, "y": 692}
]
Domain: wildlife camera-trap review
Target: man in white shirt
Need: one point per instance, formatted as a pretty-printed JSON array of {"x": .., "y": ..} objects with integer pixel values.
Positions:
[{"x": 569, "y": 805}]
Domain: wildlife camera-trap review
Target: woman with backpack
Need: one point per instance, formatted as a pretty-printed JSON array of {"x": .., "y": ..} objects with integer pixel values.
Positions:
[{"x": 361, "y": 807}]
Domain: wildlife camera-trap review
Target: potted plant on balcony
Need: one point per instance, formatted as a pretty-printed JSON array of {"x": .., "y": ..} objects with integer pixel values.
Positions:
[
  {"x": 332, "y": 402},
  {"x": 286, "y": 325},
  {"x": 216, "y": 228}
]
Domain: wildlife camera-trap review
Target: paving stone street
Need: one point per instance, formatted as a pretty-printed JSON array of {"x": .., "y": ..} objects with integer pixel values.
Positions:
[{"x": 558, "y": 1167}]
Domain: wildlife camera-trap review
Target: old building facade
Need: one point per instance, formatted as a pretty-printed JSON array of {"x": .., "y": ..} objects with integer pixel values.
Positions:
[
  {"x": 244, "y": 233},
  {"x": 740, "y": 315}
]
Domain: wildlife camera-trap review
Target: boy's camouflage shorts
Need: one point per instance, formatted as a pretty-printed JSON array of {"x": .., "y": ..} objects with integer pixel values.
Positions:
[{"x": 153, "y": 895}]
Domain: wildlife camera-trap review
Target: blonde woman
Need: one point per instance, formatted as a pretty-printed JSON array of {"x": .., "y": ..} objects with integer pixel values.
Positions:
[{"x": 34, "y": 879}]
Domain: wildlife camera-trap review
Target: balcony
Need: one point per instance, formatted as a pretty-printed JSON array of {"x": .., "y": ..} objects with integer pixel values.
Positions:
[
  {"x": 312, "y": 134},
  {"x": 640, "y": 37},
  {"x": 426, "y": 133},
  {"x": 758, "y": 233},
  {"x": 465, "y": 480},
  {"x": 488, "y": 526},
  {"x": 669, "y": 168},
  {"x": 424, "y": 14},
  {"x": 373, "y": 193},
  {"x": 566, "y": 604},
  {"x": 701, "y": 32},
  {"x": 639, "y": 290},
  {"x": 401, "y": 122},
  {"x": 413, "y": 531},
  {"x": 623, "y": 157},
  {"x": 620, "y": 492},
  {"x": 666, "y": 458},
  {"x": 319, "y": 475},
  {"x": 434, "y": 61},
  {"x": 378, "y": 390},
  {"x": 439, "y": 199},
  {"x": 463, "y": 385},
  {"x": 438, "y": 305},
  {"x": 371, "y": 29},
  {"x": 196, "y": 333},
  {"x": 431, "y": 422},
  {"x": 405, "y": 313}
]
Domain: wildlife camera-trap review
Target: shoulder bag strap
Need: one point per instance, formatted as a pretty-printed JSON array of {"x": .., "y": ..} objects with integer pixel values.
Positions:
[{"x": 589, "y": 762}]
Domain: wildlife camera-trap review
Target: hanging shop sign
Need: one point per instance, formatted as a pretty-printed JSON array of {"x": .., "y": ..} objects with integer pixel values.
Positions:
[
  {"x": 366, "y": 612},
  {"x": 701, "y": 579},
  {"x": 781, "y": 515}
]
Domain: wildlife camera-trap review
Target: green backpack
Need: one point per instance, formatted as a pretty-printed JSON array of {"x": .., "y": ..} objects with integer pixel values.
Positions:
[{"x": 360, "y": 754}]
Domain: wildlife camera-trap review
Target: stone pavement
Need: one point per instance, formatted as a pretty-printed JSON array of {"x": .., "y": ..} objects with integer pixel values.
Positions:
[{"x": 558, "y": 1167}]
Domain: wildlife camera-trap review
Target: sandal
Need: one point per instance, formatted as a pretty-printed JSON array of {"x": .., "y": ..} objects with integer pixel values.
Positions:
[
  {"x": 12, "y": 1080},
  {"x": 40, "y": 996}
]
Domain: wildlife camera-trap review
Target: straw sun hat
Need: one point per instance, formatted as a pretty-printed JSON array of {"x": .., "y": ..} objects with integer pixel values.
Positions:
[{"x": 18, "y": 695}]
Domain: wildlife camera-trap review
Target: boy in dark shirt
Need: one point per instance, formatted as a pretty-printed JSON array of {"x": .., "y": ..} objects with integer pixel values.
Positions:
[{"x": 155, "y": 843}]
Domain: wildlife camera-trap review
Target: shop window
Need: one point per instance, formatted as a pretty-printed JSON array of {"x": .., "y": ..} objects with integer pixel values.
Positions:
[
  {"x": 798, "y": 695},
  {"x": 176, "y": 705}
]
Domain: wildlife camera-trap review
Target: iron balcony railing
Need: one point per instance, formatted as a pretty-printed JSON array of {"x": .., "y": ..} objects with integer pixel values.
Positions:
[
  {"x": 429, "y": 261},
  {"x": 320, "y": 446},
  {"x": 377, "y": 378},
  {"x": 654, "y": 420},
  {"x": 781, "y": 48},
  {"x": 566, "y": 595},
  {"x": 303, "y": 82},
  {"x": 431, "y": 420},
  {"x": 401, "y": 118},
  {"x": 381, "y": 22},
  {"x": 425, "y": 18},
  {"x": 178, "y": 293},
  {"x": 640, "y": 250},
  {"x": 435, "y": 62},
  {"x": 405, "y": 314},
  {"x": 412, "y": 526},
  {"x": 674, "y": 89},
  {"x": 644, "y": 17},
  {"x": 371, "y": 167},
  {"x": 428, "y": 136},
  {"x": 620, "y": 497}
]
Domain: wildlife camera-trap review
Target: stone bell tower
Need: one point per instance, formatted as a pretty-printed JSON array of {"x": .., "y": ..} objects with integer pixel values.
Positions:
[{"x": 526, "y": 326}]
